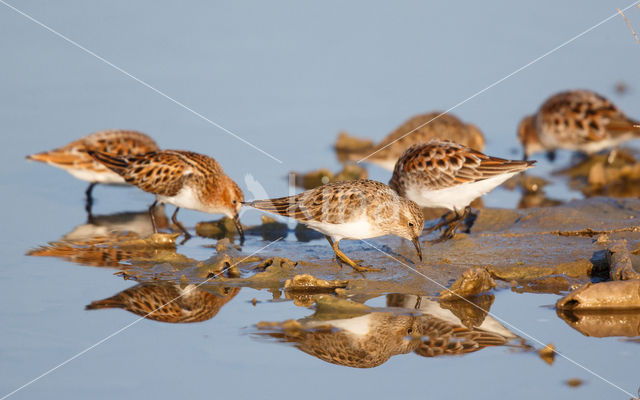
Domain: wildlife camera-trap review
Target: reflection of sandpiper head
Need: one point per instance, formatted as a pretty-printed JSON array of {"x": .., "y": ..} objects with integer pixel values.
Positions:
[{"x": 167, "y": 302}]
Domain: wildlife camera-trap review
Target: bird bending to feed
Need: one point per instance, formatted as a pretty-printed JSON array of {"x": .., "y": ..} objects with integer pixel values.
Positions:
[
  {"x": 167, "y": 302},
  {"x": 359, "y": 209},
  {"x": 420, "y": 129},
  {"x": 443, "y": 174},
  {"x": 577, "y": 120},
  {"x": 75, "y": 159},
  {"x": 182, "y": 178}
]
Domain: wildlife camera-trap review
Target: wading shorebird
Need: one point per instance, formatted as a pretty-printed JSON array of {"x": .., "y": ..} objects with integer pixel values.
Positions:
[
  {"x": 440, "y": 174},
  {"x": 182, "y": 178},
  {"x": 75, "y": 159},
  {"x": 420, "y": 129},
  {"x": 577, "y": 120},
  {"x": 359, "y": 209}
]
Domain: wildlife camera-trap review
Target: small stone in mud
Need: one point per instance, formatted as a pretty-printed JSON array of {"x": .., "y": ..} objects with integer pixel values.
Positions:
[
  {"x": 218, "y": 229},
  {"x": 619, "y": 260},
  {"x": 548, "y": 353},
  {"x": 346, "y": 142},
  {"x": 574, "y": 382},
  {"x": 602, "y": 239},
  {"x": 472, "y": 282},
  {"x": 614, "y": 295},
  {"x": 309, "y": 283}
]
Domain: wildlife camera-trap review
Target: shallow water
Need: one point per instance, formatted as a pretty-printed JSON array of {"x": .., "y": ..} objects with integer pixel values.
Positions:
[{"x": 287, "y": 79}]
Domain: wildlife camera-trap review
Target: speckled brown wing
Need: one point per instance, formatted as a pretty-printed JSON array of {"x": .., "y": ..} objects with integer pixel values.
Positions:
[
  {"x": 443, "y": 338},
  {"x": 388, "y": 335},
  {"x": 582, "y": 116},
  {"x": 441, "y": 164},
  {"x": 167, "y": 302},
  {"x": 348, "y": 200},
  {"x": 162, "y": 172},
  {"x": 120, "y": 142},
  {"x": 75, "y": 154},
  {"x": 425, "y": 127}
]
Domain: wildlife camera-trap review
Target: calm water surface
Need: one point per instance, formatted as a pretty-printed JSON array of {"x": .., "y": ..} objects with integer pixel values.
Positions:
[{"x": 286, "y": 78}]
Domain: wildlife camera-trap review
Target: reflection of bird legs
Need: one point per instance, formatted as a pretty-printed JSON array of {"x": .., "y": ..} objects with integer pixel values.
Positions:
[
  {"x": 341, "y": 257},
  {"x": 187, "y": 235},
  {"x": 89, "y": 200},
  {"x": 453, "y": 224}
]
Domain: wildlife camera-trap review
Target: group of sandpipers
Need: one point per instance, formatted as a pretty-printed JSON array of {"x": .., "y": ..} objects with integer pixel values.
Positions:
[{"x": 439, "y": 166}]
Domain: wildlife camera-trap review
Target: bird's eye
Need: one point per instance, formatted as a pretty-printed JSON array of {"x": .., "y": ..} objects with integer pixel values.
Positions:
[
  {"x": 411, "y": 224},
  {"x": 234, "y": 201},
  {"x": 410, "y": 331}
]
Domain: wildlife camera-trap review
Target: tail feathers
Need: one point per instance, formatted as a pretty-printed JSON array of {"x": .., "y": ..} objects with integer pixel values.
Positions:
[
  {"x": 111, "y": 302},
  {"x": 114, "y": 163},
  {"x": 286, "y": 206},
  {"x": 59, "y": 158}
]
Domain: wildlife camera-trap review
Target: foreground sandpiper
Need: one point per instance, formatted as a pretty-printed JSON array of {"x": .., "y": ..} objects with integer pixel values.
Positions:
[
  {"x": 359, "y": 209},
  {"x": 420, "y": 129},
  {"x": 182, "y": 178},
  {"x": 75, "y": 159},
  {"x": 442, "y": 174},
  {"x": 577, "y": 120}
]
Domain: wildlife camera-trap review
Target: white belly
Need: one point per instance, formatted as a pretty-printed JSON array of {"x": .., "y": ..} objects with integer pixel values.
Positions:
[
  {"x": 105, "y": 177},
  {"x": 455, "y": 197},
  {"x": 188, "y": 198},
  {"x": 357, "y": 326},
  {"x": 359, "y": 229}
]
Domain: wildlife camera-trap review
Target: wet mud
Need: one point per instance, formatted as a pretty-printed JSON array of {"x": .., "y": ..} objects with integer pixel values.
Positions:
[{"x": 586, "y": 250}]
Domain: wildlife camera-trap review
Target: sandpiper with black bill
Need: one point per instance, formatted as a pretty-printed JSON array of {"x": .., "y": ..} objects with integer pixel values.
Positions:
[
  {"x": 182, "y": 178},
  {"x": 358, "y": 209},
  {"x": 443, "y": 174},
  {"x": 75, "y": 159}
]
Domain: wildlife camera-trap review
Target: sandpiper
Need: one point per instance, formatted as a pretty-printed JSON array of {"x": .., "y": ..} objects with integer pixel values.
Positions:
[
  {"x": 577, "y": 120},
  {"x": 182, "y": 178},
  {"x": 419, "y": 129},
  {"x": 167, "y": 302},
  {"x": 443, "y": 174},
  {"x": 74, "y": 158},
  {"x": 358, "y": 209}
]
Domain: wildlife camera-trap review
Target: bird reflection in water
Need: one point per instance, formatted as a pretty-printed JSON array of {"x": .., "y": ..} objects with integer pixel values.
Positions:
[
  {"x": 168, "y": 301},
  {"x": 370, "y": 336},
  {"x": 107, "y": 240}
]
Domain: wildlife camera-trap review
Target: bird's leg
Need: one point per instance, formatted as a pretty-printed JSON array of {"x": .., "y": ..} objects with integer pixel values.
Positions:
[
  {"x": 453, "y": 225},
  {"x": 469, "y": 218},
  {"x": 444, "y": 220},
  {"x": 236, "y": 221},
  {"x": 89, "y": 200},
  {"x": 174, "y": 219},
  {"x": 152, "y": 212},
  {"x": 551, "y": 155},
  {"x": 343, "y": 257}
]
